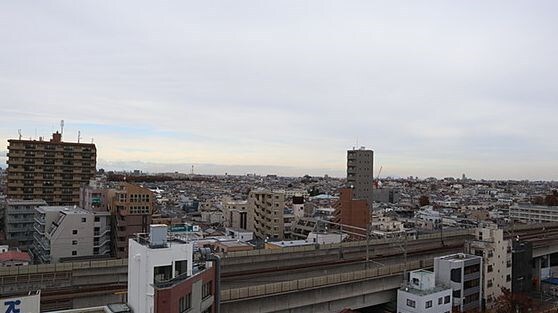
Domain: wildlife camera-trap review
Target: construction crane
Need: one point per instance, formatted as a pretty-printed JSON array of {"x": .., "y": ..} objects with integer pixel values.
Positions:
[{"x": 377, "y": 180}]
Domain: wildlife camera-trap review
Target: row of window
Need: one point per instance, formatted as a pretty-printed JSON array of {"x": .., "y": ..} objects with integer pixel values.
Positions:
[{"x": 428, "y": 304}]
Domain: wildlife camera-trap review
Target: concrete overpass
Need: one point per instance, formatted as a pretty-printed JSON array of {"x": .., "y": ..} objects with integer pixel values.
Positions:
[{"x": 309, "y": 278}]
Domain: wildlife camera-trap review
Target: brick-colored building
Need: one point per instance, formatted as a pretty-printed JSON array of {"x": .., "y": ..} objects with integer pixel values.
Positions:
[
  {"x": 131, "y": 207},
  {"x": 350, "y": 211},
  {"x": 50, "y": 170},
  {"x": 191, "y": 293}
]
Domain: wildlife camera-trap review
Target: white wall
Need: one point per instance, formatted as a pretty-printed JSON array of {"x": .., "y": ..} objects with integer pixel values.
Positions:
[{"x": 141, "y": 261}]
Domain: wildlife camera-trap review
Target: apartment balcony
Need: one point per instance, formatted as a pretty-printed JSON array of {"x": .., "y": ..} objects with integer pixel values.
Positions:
[
  {"x": 43, "y": 243},
  {"x": 101, "y": 233},
  {"x": 39, "y": 230},
  {"x": 102, "y": 243},
  {"x": 39, "y": 220}
]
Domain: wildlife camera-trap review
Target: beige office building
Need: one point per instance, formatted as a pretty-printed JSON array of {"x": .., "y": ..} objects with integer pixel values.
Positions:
[
  {"x": 265, "y": 209},
  {"x": 49, "y": 170},
  {"x": 236, "y": 214}
]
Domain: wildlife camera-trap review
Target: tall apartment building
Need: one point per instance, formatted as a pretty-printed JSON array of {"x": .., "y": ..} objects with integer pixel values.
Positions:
[
  {"x": 463, "y": 274},
  {"x": 163, "y": 277},
  {"x": 360, "y": 173},
  {"x": 70, "y": 232},
  {"x": 19, "y": 218},
  {"x": 496, "y": 255},
  {"x": 422, "y": 295},
  {"x": 265, "y": 209},
  {"x": 131, "y": 207},
  {"x": 49, "y": 170}
]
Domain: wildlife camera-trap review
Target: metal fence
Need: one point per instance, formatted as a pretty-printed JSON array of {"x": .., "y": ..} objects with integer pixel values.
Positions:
[{"x": 60, "y": 267}]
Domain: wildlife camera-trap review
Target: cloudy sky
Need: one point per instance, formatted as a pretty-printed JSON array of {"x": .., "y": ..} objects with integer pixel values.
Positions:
[{"x": 436, "y": 88}]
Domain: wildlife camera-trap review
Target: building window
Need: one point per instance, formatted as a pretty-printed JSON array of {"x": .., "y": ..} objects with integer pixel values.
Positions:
[
  {"x": 456, "y": 275},
  {"x": 74, "y": 252},
  {"x": 185, "y": 303},
  {"x": 206, "y": 290},
  {"x": 440, "y": 300},
  {"x": 83, "y": 220},
  {"x": 180, "y": 267},
  {"x": 489, "y": 283},
  {"x": 74, "y": 242},
  {"x": 508, "y": 278},
  {"x": 74, "y": 232},
  {"x": 457, "y": 293},
  {"x": 428, "y": 304},
  {"x": 489, "y": 269},
  {"x": 411, "y": 303},
  {"x": 447, "y": 299},
  {"x": 97, "y": 219}
]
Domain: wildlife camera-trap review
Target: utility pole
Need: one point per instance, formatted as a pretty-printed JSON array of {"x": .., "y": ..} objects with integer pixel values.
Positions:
[
  {"x": 341, "y": 241},
  {"x": 405, "y": 257},
  {"x": 367, "y": 245}
]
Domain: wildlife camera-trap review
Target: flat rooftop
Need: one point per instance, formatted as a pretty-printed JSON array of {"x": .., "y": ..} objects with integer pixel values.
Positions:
[
  {"x": 65, "y": 209},
  {"x": 459, "y": 257},
  {"x": 420, "y": 292}
]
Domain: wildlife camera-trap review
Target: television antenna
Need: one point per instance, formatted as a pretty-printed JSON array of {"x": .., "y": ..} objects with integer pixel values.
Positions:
[
  {"x": 19, "y": 133},
  {"x": 61, "y": 128},
  {"x": 79, "y": 135}
]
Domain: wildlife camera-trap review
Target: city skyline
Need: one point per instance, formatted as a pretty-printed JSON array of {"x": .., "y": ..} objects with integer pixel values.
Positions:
[{"x": 287, "y": 88}]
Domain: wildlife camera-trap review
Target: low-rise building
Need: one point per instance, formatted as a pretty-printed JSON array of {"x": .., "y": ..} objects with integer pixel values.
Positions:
[
  {"x": 14, "y": 258},
  {"x": 527, "y": 213},
  {"x": 422, "y": 295}
]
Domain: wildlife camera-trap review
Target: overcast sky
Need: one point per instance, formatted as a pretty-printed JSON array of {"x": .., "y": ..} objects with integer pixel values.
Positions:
[{"x": 436, "y": 88}]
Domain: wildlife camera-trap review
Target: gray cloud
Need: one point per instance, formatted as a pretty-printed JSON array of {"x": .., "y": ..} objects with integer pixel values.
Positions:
[{"x": 435, "y": 88}]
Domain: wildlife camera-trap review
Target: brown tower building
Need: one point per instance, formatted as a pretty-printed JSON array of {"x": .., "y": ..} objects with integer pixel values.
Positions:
[
  {"x": 49, "y": 170},
  {"x": 351, "y": 212},
  {"x": 131, "y": 207}
]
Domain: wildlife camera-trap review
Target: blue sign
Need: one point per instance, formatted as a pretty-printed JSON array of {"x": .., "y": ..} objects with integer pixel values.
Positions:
[{"x": 11, "y": 306}]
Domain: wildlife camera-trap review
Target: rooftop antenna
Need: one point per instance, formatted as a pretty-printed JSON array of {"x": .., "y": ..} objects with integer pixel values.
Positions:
[
  {"x": 79, "y": 135},
  {"x": 35, "y": 134},
  {"x": 91, "y": 139},
  {"x": 61, "y": 128},
  {"x": 19, "y": 132},
  {"x": 192, "y": 172}
]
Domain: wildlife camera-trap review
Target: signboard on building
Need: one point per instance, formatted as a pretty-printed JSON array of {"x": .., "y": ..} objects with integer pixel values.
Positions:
[{"x": 23, "y": 304}]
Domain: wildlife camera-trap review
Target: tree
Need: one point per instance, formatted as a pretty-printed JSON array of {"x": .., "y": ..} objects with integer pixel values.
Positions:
[
  {"x": 424, "y": 200},
  {"x": 510, "y": 302}
]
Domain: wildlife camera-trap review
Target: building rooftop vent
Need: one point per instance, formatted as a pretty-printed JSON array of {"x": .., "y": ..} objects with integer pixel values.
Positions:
[{"x": 158, "y": 236}]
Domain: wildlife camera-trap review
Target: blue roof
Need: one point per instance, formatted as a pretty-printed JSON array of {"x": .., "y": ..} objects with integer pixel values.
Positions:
[{"x": 551, "y": 280}]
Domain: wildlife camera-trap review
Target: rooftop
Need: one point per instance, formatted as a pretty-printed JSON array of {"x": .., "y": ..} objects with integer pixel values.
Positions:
[
  {"x": 420, "y": 292},
  {"x": 459, "y": 257},
  {"x": 65, "y": 209}
]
